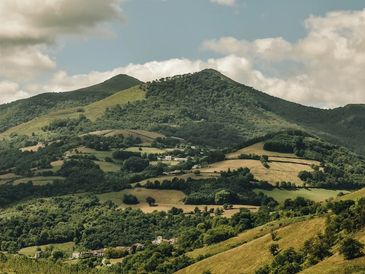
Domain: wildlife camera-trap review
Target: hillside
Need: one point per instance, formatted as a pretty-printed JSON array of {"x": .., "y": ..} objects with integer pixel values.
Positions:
[
  {"x": 24, "y": 110},
  {"x": 91, "y": 111},
  {"x": 209, "y": 108}
]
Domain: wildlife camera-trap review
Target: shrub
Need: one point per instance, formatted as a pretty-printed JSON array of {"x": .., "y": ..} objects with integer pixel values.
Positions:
[
  {"x": 130, "y": 199},
  {"x": 351, "y": 248}
]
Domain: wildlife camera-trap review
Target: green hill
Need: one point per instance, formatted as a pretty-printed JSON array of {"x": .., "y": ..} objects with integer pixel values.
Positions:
[
  {"x": 209, "y": 108},
  {"x": 21, "y": 111}
]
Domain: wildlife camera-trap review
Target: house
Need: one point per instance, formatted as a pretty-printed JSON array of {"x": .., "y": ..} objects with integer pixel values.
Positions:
[
  {"x": 88, "y": 254},
  {"x": 75, "y": 255},
  {"x": 196, "y": 166},
  {"x": 159, "y": 240},
  {"x": 37, "y": 254},
  {"x": 180, "y": 159},
  {"x": 168, "y": 158}
]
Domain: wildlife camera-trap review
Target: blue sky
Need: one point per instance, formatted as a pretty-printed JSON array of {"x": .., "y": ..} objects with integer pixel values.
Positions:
[
  {"x": 159, "y": 30},
  {"x": 308, "y": 51}
]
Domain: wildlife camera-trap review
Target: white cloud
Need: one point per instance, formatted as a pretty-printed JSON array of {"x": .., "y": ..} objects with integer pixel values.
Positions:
[
  {"x": 331, "y": 59},
  {"x": 28, "y": 27},
  {"x": 224, "y": 2}
]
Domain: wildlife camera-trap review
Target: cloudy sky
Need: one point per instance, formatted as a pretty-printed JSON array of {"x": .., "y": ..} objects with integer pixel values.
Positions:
[{"x": 308, "y": 51}]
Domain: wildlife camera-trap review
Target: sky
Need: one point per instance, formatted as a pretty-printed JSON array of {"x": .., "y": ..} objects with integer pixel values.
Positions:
[{"x": 307, "y": 51}]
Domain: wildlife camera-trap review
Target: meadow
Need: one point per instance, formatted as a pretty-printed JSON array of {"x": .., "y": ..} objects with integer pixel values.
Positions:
[
  {"x": 314, "y": 194},
  {"x": 248, "y": 257}
]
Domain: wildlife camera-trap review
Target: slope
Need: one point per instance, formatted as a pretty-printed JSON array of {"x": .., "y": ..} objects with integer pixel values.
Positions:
[
  {"x": 209, "y": 108},
  {"x": 248, "y": 257},
  {"x": 92, "y": 112},
  {"x": 21, "y": 111}
]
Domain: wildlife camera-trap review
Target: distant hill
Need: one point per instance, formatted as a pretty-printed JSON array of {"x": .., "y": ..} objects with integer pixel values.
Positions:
[
  {"x": 203, "y": 108},
  {"x": 24, "y": 110}
]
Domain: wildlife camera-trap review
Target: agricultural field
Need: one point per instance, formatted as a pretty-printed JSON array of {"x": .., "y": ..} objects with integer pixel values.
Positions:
[
  {"x": 356, "y": 195},
  {"x": 165, "y": 200},
  {"x": 8, "y": 177},
  {"x": 148, "y": 150},
  {"x": 30, "y": 251},
  {"x": 276, "y": 173},
  {"x": 38, "y": 180},
  {"x": 248, "y": 257},
  {"x": 258, "y": 149},
  {"x": 314, "y": 194}
]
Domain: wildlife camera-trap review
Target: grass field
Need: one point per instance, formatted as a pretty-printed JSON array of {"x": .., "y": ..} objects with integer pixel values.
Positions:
[
  {"x": 38, "y": 180},
  {"x": 248, "y": 257},
  {"x": 148, "y": 150},
  {"x": 30, "y": 251},
  {"x": 165, "y": 200},
  {"x": 314, "y": 194},
  {"x": 92, "y": 111},
  {"x": 96, "y": 110},
  {"x": 258, "y": 149},
  {"x": 276, "y": 173},
  {"x": 108, "y": 167},
  {"x": 354, "y": 195}
]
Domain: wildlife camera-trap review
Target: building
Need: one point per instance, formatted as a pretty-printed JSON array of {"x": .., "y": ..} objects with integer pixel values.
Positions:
[{"x": 159, "y": 240}]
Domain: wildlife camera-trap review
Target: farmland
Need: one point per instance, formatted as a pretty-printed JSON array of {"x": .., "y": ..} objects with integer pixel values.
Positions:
[
  {"x": 165, "y": 200},
  {"x": 314, "y": 194},
  {"x": 277, "y": 172}
]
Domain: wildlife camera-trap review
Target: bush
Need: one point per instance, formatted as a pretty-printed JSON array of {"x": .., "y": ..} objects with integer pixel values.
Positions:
[
  {"x": 135, "y": 164},
  {"x": 351, "y": 248},
  {"x": 130, "y": 199},
  {"x": 218, "y": 234}
]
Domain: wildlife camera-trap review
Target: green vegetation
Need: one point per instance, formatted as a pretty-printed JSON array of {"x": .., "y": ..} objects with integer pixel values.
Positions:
[{"x": 24, "y": 110}]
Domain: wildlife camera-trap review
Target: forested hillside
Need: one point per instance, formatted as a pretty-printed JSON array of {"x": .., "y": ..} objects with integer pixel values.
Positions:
[{"x": 24, "y": 110}]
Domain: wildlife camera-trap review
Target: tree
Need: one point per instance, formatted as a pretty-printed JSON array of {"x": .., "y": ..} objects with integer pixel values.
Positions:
[
  {"x": 135, "y": 164},
  {"x": 150, "y": 201},
  {"x": 130, "y": 199},
  {"x": 351, "y": 248},
  {"x": 274, "y": 249}
]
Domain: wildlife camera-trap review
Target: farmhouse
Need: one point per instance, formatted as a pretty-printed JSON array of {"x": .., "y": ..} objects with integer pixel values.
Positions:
[{"x": 159, "y": 240}]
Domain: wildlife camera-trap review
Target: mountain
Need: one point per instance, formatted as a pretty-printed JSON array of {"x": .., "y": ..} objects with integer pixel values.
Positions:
[
  {"x": 207, "y": 107},
  {"x": 21, "y": 111}
]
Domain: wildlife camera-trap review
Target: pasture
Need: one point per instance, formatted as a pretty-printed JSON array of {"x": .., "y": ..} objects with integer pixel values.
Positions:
[
  {"x": 276, "y": 173},
  {"x": 314, "y": 194},
  {"x": 248, "y": 257},
  {"x": 38, "y": 180},
  {"x": 258, "y": 149},
  {"x": 165, "y": 200},
  {"x": 30, "y": 251}
]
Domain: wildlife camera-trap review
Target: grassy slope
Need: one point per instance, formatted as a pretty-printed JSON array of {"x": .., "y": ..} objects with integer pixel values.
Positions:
[
  {"x": 92, "y": 111},
  {"x": 29, "y": 251},
  {"x": 314, "y": 194},
  {"x": 255, "y": 253},
  {"x": 336, "y": 264},
  {"x": 354, "y": 195},
  {"x": 276, "y": 173},
  {"x": 24, "y": 110},
  {"x": 165, "y": 199}
]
